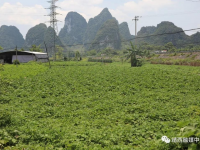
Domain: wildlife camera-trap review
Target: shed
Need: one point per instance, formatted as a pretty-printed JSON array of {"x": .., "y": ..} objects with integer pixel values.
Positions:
[{"x": 22, "y": 56}]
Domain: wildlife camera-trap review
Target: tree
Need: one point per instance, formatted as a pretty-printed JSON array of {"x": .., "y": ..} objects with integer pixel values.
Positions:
[
  {"x": 169, "y": 46},
  {"x": 77, "y": 55},
  {"x": 35, "y": 48},
  {"x": 131, "y": 53},
  {"x": 190, "y": 46},
  {"x": 59, "y": 52},
  {"x": 1, "y": 48},
  {"x": 91, "y": 53},
  {"x": 21, "y": 50}
]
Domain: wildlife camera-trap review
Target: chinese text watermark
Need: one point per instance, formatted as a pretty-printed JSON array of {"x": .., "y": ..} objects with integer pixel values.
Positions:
[{"x": 180, "y": 139}]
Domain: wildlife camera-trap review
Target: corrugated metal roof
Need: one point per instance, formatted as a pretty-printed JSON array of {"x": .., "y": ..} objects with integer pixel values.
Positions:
[
  {"x": 3, "y": 51},
  {"x": 34, "y": 52},
  {"x": 25, "y": 52}
]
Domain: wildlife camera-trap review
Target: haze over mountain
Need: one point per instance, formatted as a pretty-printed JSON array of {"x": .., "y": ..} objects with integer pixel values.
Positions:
[
  {"x": 195, "y": 38},
  {"x": 35, "y": 35},
  {"x": 74, "y": 29},
  {"x": 99, "y": 32},
  {"x": 10, "y": 37},
  {"x": 164, "y": 27},
  {"x": 107, "y": 36},
  {"x": 124, "y": 31},
  {"x": 40, "y": 33},
  {"x": 49, "y": 39},
  {"x": 95, "y": 24}
]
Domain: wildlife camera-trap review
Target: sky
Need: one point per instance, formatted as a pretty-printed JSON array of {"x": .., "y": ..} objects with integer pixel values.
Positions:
[{"x": 25, "y": 14}]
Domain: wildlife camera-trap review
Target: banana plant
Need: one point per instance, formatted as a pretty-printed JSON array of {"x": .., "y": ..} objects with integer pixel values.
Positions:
[{"x": 131, "y": 53}]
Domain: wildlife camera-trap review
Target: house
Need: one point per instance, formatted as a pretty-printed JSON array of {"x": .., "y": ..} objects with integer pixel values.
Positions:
[
  {"x": 157, "y": 51},
  {"x": 22, "y": 56},
  {"x": 164, "y": 51}
]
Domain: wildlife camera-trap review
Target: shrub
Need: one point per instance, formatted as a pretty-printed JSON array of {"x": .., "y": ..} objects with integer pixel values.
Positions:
[
  {"x": 1, "y": 67},
  {"x": 30, "y": 62},
  {"x": 140, "y": 62},
  {"x": 193, "y": 57},
  {"x": 100, "y": 60},
  {"x": 16, "y": 62},
  {"x": 5, "y": 118},
  {"x": 39, "y": 62}
]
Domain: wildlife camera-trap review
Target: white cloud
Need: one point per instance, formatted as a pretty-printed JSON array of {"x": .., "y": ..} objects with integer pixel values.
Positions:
[
  {"x": 22, "y": 15},
  {"x": 131, "y": 8},
  {"x": 146, "y": 5},
  {"x": 80, "y": 2},
  {"x": 87, "y": 8}
]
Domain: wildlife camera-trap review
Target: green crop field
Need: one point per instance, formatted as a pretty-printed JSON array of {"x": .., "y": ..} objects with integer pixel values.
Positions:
[{"x": 92, "y": 106}]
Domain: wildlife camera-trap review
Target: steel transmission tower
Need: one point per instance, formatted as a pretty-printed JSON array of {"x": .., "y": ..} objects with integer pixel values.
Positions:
[{"x": 53, "y": 21}]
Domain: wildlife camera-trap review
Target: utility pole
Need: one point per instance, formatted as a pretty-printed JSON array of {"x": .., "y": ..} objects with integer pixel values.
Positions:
[
  {"x": 16, "y": 55},
  {"x": 47, "y": 54},
  {"x": 16, "y": 52},
  {"x": 136, "y": 19},
  {"x": 53, "y": 21}
]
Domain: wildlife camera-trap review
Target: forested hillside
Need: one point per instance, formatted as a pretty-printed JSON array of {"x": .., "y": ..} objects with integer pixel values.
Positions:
[
  {"x": 74, "y": 29},
  {"x": 35, "y": 35},
  {"x": 10, "y": 37},
  {"x": 108, "y": 36}
]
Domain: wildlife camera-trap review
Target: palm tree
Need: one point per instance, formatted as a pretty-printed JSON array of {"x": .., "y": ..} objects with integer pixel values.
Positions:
[{"x": 131, "y": 53}]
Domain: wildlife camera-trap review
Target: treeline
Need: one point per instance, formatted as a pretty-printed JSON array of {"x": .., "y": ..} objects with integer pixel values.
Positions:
[
  {"x": 100, "y": 60},
  {"x": 169, "y": 47}
]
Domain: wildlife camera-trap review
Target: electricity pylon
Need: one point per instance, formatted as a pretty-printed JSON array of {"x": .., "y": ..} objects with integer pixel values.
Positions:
[{"x": 53, "y": 21}]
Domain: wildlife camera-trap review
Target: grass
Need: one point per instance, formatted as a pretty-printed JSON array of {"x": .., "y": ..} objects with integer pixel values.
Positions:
[{"x": 82, "y": 105}]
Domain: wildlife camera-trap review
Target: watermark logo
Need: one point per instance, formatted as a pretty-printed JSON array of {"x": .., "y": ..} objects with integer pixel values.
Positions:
[
  {"x": 165, "y": 139},
  {"x": 180, "y": 139}
]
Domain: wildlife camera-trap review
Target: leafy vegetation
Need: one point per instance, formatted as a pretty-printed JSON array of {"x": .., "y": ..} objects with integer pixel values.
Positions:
[
  {"x": 100, "y": 60},
  {"x": 78, "y": 56},
  {"x": 16, "y": 62},
  {"x": 132, "y": 53},
  {"x": 35, "y": 48},
  {"x": 59, "y": 52},
  {"x": 80, "y": 105}
]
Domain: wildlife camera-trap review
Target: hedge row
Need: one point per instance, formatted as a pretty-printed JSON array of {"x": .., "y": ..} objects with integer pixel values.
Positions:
[{"x": 100, "y": 60}]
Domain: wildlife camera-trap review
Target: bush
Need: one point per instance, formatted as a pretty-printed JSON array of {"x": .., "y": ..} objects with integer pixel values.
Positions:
[
  {"x": 140, "y": 62},
  {"x": 16, "y": 62},
  {"x": 5, "y": 118},
  {"x": 65, "y": 59},
  {"x": 31, "y": 62},
  {"x": 100, "y": 60},
  {"x": 1, "y": 67}
]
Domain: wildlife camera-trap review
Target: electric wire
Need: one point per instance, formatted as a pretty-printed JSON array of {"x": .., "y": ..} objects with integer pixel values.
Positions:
[{"x": 111, "y": 41}]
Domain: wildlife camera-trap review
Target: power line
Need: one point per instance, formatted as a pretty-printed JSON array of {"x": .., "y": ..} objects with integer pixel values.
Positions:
[
  {"x": 168, "y": 33},
  {"x": 153, "y": 35},
  {"x": 139, "y": 37}
]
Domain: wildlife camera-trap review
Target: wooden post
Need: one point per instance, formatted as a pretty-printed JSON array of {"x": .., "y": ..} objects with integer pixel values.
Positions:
[{"x": 16, "y": 54}]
